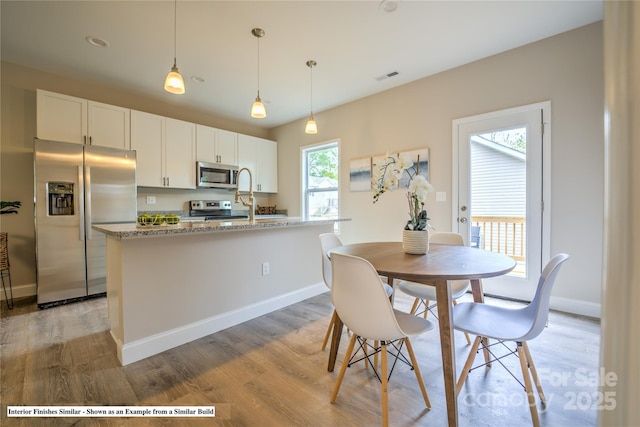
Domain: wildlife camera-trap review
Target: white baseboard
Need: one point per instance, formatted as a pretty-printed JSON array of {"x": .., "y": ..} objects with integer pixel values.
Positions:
[
  {"x": 141, "y": 349},
  {"x": 573, "y": 306}
]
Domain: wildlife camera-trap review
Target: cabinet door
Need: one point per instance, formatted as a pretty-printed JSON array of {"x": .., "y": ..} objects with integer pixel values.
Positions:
[
  {"x": 60, "y": 117},
  {"x": 206, "y": 144},
  {"x": 147, "y": 135},
  {"x": 180, "y": 153},
  {"x": 227, "y": 147},
  {"x": 247, "y": 146},
  {"x": 108, "y": 125},
  {"x": 267, "y": 159}
]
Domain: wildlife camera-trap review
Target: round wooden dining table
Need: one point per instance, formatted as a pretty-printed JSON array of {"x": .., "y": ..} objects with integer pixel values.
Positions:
[{"x": 441, "y": 264}]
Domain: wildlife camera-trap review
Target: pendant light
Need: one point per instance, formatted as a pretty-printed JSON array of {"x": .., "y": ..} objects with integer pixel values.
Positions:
[
  {"x": 174, "y": 83},
  {"x": 257, "y": 109},
  {"x": 311, "y": 127}
]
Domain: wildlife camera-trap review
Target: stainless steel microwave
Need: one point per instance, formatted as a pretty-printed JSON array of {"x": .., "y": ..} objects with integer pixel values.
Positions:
[{"x": 216, "y": 175}]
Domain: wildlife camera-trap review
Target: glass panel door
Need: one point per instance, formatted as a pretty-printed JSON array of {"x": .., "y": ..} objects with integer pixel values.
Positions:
[{"x": 500, "y": 193}]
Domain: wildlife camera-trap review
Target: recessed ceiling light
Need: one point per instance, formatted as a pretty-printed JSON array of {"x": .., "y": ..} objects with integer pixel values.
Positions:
[
  {"x": 197, "y": 79},
  {"x": 97, "y": 41},
  {"x": 388, "y": 5}
]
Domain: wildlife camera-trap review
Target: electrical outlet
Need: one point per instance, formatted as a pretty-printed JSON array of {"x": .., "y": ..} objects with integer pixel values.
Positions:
[
  {"x": 151, "y": 200},
  {"x": 441, "y": 196},
  {"x": 265, "y": 269}
]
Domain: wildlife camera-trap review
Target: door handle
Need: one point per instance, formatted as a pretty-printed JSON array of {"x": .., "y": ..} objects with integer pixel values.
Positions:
[
  {"x": 463, "y": 220},
  {"x": 87, "y": 186},
  {"x": 80, "y": 193}
]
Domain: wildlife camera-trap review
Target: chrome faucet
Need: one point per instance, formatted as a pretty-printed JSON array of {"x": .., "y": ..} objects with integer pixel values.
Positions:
[{"x": 251, "y": 202}]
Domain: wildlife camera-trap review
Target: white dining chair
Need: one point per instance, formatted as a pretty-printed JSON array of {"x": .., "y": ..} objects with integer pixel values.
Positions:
[
  {"x": 510, "y": 324},
  {"x": 360, "y": 299},
  {"x": 330, "y": 241},
  {"x": 425, "y": 294}
]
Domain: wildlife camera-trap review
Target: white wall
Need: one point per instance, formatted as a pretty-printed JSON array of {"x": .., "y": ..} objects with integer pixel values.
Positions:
[{"x": 565, "y": 69}]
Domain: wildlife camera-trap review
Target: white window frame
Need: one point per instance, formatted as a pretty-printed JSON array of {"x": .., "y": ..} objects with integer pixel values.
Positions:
[{"x": 303, "y": 178}]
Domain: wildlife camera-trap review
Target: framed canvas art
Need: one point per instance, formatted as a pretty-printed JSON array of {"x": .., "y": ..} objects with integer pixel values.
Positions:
[
  {"x": 420, "y": 166},
  {"x": 360, "y": 174}
]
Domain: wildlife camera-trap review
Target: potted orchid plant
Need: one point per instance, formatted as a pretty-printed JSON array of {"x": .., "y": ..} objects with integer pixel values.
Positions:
[{"x": 387, "y": 177}]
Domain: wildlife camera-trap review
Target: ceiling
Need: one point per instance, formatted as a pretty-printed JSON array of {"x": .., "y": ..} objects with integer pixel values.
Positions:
[{"x": 355, "y": 44}]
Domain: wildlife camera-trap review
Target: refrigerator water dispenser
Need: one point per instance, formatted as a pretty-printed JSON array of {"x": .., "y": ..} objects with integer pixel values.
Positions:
[{"x": 60, "y": 198}]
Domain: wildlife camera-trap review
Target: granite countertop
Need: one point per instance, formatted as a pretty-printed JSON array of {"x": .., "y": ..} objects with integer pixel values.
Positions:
[{"x": 131, "y": 230}]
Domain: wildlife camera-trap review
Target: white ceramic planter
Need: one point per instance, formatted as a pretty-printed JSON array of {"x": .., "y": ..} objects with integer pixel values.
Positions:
[{"x": 415, "y": 242}]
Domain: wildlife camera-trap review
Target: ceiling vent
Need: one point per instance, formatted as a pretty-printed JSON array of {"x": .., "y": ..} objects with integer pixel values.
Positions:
[{"x": 386, "y": 76}]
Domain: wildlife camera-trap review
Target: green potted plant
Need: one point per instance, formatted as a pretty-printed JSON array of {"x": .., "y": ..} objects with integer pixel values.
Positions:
[{"x": 9, "y": 207}]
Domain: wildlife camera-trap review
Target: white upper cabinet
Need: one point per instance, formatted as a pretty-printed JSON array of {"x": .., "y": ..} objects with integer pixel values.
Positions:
[
  {"x": 180, "y": 153},
  {"x": 260, "y": 156},
  {"x": 109, "y": 126},
  {"x": 165, "y": 151},
  {"x": 147, "y": 136},
  {"x": 70, "y": 119},
  {"x": 216, "y": 145}
]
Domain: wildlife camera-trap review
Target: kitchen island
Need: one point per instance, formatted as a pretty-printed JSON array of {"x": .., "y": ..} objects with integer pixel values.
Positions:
[{"x": 168, "y": 285}]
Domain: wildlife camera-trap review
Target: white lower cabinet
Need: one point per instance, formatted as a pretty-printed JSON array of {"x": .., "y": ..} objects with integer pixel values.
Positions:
[
  {"x": 260, "y": 156},
  {"x": 165, "y": 151}
]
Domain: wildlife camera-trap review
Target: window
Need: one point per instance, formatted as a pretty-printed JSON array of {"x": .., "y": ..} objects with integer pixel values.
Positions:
[{"x": 320, "y": 181}]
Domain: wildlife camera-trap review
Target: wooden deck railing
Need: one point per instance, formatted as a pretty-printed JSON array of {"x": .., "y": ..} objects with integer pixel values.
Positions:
[{"x": 505, "y": 235}]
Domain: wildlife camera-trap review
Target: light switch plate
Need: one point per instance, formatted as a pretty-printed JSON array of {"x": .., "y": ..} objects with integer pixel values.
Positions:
[{"x": 441, "y": 196}]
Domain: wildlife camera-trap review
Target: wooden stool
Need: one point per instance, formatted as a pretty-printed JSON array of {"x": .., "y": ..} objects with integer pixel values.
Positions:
[{"x": 4, "y": 268}]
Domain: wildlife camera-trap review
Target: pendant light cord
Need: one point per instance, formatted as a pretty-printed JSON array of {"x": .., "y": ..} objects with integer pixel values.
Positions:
[
  {"x": 258, "y": 38},
  {"x": 175, "y": 31},
  {"x": 311, "y": 91}
]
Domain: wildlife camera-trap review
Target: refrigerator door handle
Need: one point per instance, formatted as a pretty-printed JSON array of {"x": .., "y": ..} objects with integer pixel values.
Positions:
[
  {"x": 87, "y": 216},
  {"x": 80, "y": 193}
]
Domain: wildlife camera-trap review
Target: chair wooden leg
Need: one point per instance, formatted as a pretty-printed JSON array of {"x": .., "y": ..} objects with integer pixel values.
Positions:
[
  {"x": 485, "y": 350},
  {"x": 328, "y": 334},
  {"x": 414, "y": 362},
  {"x": 528, "y": 387},
  {"x": 466, "y": 335},
  {"x": 414, "y": 307},
  {"x": 468, "y": 363},
  {"x": 534, "y": 373},
  {"x": 383, "y": 377},
  {"x": 376, "y": 343},
  {"x": 426, "y": 307},
  {"x": 366, "y": 354},
  {"x": 343, "y": 368}
]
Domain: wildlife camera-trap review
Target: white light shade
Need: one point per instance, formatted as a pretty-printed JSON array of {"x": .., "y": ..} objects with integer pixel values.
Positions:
[
  {"x": 312, "y": 127},
  {"x": 174, "y": 83},
  {"x": 257, "y": 109}
]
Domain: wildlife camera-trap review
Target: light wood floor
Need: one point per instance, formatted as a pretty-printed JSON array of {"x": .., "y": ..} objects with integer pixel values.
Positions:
[{"x": 271, "y": 372}]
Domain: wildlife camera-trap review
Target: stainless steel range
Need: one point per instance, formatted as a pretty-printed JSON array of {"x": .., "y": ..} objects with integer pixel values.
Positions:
[{"x": 213, "y": 210}]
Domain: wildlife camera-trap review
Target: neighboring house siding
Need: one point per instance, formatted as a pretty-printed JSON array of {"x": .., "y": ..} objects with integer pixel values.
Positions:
[{"x": 498, "y": 183}]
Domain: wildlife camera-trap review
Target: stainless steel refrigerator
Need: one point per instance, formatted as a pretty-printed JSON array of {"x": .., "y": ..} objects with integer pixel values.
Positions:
[{"x": 77, "y": 186}]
